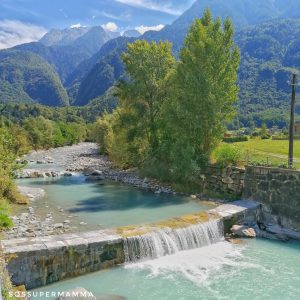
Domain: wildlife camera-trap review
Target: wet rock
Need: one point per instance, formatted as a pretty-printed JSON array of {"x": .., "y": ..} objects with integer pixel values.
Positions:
[
  {"x": 94, "y": 178},
  {"x": 235, "y": 241},
  {"x": 243, "y": 231},
  {"x": 58, "y": 225},
  {"x": 67, "y": 174},
  {"x": 96, "y": 173},
  {"x": 31, "y": 193}
]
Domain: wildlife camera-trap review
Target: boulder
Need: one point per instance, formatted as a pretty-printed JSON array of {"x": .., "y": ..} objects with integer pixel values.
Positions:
[
  {"x": 58, "y": 225},
  {"x": 243, "y": 231},
  {"x": 96, "y": 173},
  {"x": 41, "y": 162}
]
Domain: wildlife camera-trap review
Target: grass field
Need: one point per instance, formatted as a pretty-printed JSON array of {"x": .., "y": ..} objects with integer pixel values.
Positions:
[{"x": 268, "y": 151}]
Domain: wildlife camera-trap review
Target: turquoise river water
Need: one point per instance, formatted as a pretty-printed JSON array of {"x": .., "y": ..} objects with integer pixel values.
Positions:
[
  {"x": 107, "y": 204},
  {"x": 255, "y": 269},
  {"x": 258, "y": 269}
]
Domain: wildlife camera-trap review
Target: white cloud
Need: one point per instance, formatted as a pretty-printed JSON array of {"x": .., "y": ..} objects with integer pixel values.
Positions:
[
  {"x": 142, "y": 29},
  {"x": 165, "y": 7},
  {"x": 76, "y": 26},
  {"x": 117, "y": 17},
  {"x": 110, "y": 26},
  {"x": 13, "y": 32}
]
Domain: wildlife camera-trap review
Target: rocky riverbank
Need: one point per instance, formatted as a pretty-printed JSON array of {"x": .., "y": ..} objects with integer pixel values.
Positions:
[
  {"x": 30, "y": 225},
  {"x": 84, "y": 158}
]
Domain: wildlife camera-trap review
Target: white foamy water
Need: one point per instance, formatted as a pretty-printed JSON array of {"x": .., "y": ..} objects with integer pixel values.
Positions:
[
  {"x": 168, "y": 241},
  {"x": 197, "y": 265}
]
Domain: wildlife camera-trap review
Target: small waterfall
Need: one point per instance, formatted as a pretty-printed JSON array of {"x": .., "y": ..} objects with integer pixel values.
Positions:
[{"x": 168, "y": 241}]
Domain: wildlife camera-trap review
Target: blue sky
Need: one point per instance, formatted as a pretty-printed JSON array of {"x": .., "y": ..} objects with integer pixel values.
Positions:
[{"x": 26, "y": 20}]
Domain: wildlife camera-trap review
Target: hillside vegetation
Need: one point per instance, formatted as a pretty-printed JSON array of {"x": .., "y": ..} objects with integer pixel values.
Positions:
[
  {"x": 36, "y": 72},
  {"x": 25, "y": 76}
]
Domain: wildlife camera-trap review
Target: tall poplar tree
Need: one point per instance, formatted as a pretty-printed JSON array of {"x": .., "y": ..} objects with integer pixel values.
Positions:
[
  {"x": 148, "y": 66},
  {"x": 204, "y": 94}
]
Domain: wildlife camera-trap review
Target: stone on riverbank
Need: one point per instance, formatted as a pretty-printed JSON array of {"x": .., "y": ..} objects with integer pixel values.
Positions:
[
  {"x": 243, "y": 231},
  {"x": 31, "y": 193},
  {"x": 33, "y": 173}
]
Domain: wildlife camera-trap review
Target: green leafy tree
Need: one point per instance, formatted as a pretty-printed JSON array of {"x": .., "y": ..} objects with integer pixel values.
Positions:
[
  {"x": 148, "y": 66},
  {"x": 203, "y": 95},
  {"x": 40, "y": 132},
  {"x": 8, "y": 153}
]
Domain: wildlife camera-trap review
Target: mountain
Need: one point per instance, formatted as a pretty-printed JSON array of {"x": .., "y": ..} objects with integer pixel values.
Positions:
[
  {"x": 55, "y": 56},
  {"x": 132, "y": 33},
  {"x": 270, "y": 53},
  {"x": 66, "y": 49},
  {"x": 26, "y": 77},
  {"x": 57, "y": 37},
  {"x": 101, "y": 72},
  {"x": 243, "y": 13}
]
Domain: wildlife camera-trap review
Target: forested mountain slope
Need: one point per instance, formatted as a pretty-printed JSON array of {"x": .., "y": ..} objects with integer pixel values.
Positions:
[
  {"x": 56, "y": 56},
  {"x": 243, "y": 13},
  {"x": 25, "y": 76}
]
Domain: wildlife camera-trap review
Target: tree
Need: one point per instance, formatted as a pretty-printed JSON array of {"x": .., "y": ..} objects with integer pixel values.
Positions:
[
  {"x": 204, "y": 91},
  {"x": 148, "y": 67},
  {"x": 8, "y": 153},
  {"x": 40, "y": 132}
]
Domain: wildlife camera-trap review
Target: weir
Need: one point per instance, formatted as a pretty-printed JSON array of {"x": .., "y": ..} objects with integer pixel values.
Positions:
[
  {"x": 36, "y": 262},
  {"x": 162, "y": 242}
]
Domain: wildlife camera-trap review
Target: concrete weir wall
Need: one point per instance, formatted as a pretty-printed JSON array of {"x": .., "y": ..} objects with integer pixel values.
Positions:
[
  {"x": 279, "y": 192},
  {"x": 36, "y": 262},
  {"x": 276, "y": 188}
]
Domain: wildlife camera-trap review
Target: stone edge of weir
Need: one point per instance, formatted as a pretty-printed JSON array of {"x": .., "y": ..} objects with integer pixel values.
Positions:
[{"x": 39, "y": 261}]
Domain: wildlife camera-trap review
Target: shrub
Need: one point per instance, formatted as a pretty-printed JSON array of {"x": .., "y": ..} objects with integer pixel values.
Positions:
[
  {"x": 101, "y": 133},
  {"x": 5, "y": 221},
  {"x": 9, "y": 191},
  {"x": 227, "y": 155},
  {"x": 236, "y": 139}
]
